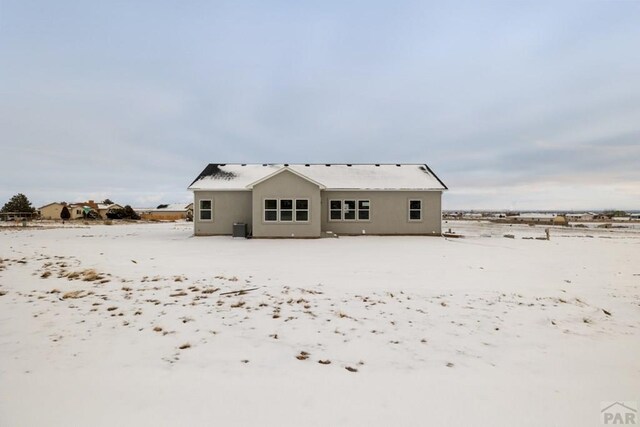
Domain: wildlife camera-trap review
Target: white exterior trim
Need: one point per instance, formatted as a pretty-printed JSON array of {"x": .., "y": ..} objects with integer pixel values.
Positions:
[
  {"x": 409, "y": 210},
  {"x": 293, "y": 210},
  {"x": 200, "y": 210},
  {"x": 342, "y": 210}
]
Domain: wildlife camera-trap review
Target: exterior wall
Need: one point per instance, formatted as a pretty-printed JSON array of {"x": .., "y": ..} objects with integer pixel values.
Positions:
[
  {"x": 163, "y": 216},
  {"x": 286, "y": 185},
  {"x": 76, "y": 212},
  {"x": 228, "y": 207},
  {"x": 51, "y": 212},
  {"x": 389, "y": 213}
]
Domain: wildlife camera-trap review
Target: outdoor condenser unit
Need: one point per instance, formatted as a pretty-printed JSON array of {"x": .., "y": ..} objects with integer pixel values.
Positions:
[{"x": 240, "y": 229}]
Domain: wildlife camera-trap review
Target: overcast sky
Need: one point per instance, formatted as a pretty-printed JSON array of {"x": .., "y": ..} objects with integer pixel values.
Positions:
[{"x": 515, "y": 105}]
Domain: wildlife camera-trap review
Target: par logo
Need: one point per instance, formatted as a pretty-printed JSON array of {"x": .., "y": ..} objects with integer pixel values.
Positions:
[{"x": 619, "y": 413}]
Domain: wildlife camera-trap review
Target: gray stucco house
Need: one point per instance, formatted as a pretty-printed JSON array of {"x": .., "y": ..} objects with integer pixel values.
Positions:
[{"x": 311, "y": 200}]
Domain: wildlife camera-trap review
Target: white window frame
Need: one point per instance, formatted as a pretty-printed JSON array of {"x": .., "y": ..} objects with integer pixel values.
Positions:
[
  {"x": 200, "y": 210},
  {"x": 409, "y": 210},
  {"x": 343, "y": 209},
  {"x": 368, "y": 210},
  {"x": 355, "y": 210},
  {"x": 335, "y": 210},
  {"x": 264, "y": 211},
  {"x": 293, "y": 210}
]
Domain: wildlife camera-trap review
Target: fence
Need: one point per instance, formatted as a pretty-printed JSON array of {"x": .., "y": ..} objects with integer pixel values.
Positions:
[{"x": 17, "y": 216}]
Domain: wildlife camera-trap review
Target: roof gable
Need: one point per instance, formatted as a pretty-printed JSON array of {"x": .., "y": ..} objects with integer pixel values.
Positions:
[
  {"x": 285, "y": 169},
  {"x": 51, "y": 204},
  {"x": 242, "y": 177}
]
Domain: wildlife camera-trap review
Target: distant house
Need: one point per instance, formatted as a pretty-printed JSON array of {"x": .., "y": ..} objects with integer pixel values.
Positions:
[
  {"x": 538, "y": 218},
  {"x": 310, "y": 200},
  {"x": 472, "y": 215},
  {"x": 51, "y": 211},
  {"x": 167, "y": 212},
  {"x": 83, "y": 210},
  {"x": 585, "y": 216},
  {"x": 103, "y": 209},
  {"x": 80, "y": 210}
]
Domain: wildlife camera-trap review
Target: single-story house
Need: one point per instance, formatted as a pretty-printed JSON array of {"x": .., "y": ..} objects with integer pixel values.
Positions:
[
  {"x": 83, "y": 209},
  {"x": 51, "y": 211},
  {"x": 584, "y": 216},
  {"x": 77, "y": 210},
  {"x": 539, "y": 218},
  {"x": 167, "y": 212},
  {"x": 312, "y": 200},
  {"x": 103, "y": 209}
]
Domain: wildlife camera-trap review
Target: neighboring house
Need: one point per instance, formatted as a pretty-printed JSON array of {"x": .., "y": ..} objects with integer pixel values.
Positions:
[
  {"x": 170, "y": 212},
  {"x": 83, "y": 209},
  {"x": 103, "y": 209},
  {"x": 472, "y": 215},
  {"x": 77, "y": 210},
  {"x": 538, "y": 218},
  {"x": 586, "y": 216},
  {"x": 51, "y": 211},
  {"x": 310, "y": 200}
]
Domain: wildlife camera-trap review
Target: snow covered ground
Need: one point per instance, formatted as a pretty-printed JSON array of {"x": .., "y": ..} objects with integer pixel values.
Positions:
[{"x": 135, "y": 325}]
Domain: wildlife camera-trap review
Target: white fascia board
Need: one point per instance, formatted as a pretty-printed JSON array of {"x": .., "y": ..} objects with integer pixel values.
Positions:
[{"x": 279, "y": 171}]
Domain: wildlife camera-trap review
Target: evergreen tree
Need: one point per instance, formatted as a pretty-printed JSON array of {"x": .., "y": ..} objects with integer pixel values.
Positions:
[
  {"x": 130, "y": 213},
  {"x": 18, "y": 203},
  {"x": 65, "y": 214}
]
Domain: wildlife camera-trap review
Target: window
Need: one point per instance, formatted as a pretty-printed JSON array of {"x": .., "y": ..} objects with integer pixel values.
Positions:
[
  {"x": 286, "y": 210},
  {"x": 270, "y": 210},
  {"x": 349, "y": 210},
  {"x": 302, "y": 210},
  {"x": 415, "y": 210},
  {"x": 206, "y": 210},
  {"x": 335, "y": 210},
  {"x": 363, "y": 210}
]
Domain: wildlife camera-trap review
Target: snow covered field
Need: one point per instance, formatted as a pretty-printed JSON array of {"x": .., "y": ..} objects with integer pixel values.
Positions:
[{"x": 135, "y": 325}]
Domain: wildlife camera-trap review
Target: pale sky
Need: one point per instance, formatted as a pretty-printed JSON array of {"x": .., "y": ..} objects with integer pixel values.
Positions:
[{"x": 515, "y": 105}]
